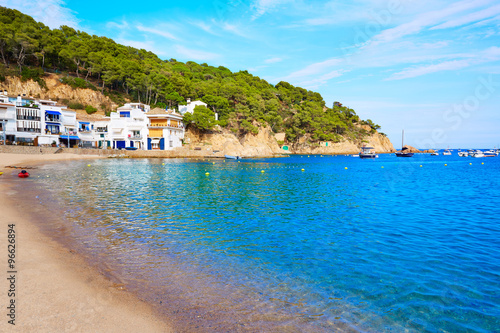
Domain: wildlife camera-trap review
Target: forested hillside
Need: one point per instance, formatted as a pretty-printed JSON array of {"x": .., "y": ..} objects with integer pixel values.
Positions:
[{"x": 244, "y": 102}]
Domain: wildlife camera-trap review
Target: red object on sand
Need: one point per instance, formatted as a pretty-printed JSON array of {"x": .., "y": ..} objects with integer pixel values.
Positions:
[{"x": 23, "y": 174}]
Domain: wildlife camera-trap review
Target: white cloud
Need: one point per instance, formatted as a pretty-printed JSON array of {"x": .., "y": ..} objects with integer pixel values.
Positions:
[
  {"x": 273, "y": 60},
  {"x": 488, "y": 55},
  {"x": 262, "y": 7},
  {"x": 161, "y": 33},
  {"x": 204, "y": 26},
  {"x": 316, "y": 82},
  {"x": 470, "y": 18},
  {"x": 313, "y": 69},
  {"x": 195, "y": 54},
  {"x": 118, "y": 25},
  {"x": 427, "y": 19},
  {"x": 427, "y": 69},
  {"x": 52, "y": 13}
]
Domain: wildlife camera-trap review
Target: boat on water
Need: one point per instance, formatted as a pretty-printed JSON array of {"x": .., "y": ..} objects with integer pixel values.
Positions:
[
  {"x": 463, "y": 154},
  {"x": 491, "y": 152},
  {"x": 435, "y": 153},
  {"x": 232, "y": 157},
  {"x": 476, "y": 153},
  {"x": 447, "y": 152},
  {"x": 404, "y": 152},
  {"x": 367, "y": 152}
]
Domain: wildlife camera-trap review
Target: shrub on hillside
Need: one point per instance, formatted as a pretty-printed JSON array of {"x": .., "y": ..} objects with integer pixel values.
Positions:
[
  {"x": 90, "y": 109},
  {"x": 76, "y": 106}
]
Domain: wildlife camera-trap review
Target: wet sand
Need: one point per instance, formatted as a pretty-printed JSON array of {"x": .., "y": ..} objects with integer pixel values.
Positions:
[{"x": 56, "y": 290}]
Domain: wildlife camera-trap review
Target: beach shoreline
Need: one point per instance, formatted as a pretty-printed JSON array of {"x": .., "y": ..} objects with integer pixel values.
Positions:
[{"x": 56, "y": 289}]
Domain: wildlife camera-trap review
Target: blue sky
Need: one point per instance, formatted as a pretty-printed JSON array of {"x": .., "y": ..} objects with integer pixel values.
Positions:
[{"x": 431, "y": 68}]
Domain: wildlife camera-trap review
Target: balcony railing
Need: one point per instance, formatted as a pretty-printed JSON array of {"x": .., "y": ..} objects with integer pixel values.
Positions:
[
  {"x": 53, "y": 119},
  {"x": 165, "y": 125},
  {"x": 21, "y": 117},
  {"x": 26, "y": 129}
]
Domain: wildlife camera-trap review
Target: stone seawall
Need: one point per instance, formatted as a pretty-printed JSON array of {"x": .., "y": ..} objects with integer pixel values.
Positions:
[
  {"x": 175, "y": 153},
  {"x": 33, "y": 150}
]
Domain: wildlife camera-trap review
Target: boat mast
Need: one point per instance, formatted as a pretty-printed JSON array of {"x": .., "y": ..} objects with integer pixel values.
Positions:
[{"x": 403, "y": 140}]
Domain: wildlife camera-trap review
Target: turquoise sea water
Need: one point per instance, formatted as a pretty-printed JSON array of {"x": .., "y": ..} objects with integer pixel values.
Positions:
[{"x": 392, "y": 244}]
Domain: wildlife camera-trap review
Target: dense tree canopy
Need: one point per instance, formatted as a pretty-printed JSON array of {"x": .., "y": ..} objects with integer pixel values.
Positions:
[{"x": 242, "y": 101}]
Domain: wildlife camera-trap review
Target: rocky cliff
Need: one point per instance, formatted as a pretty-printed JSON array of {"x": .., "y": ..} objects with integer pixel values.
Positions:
[
  {"x": 266, "y": 144},
  {"x": 226, "y": 143},
  {"x": 56, "y": 91}
]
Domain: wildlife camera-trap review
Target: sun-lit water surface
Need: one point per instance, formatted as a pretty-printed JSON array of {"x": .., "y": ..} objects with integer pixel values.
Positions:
[{"x": 385, "y": 245}]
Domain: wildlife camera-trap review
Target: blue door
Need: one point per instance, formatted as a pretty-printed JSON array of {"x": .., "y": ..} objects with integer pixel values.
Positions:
[
  {"x": 120, "y": 144},
  {"x": 131, "y": 143},
  {"x": 149, "y": 144},
  {"x": 162, "y": 143}
]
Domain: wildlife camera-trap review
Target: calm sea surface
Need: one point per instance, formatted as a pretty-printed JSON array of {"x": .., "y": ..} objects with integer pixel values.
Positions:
[{"x": 391, "y": 244}]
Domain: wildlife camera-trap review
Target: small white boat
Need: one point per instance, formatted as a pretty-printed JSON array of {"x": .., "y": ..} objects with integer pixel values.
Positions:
[
  {"x": 447, "y": 152},
  {"x": 463, "y": 154},
  {"x": 476, "y": 153},
  {"x": 368, "y": 152},
  {"x": 492, "y": 152},
  {"x": 435, "y": 153}
]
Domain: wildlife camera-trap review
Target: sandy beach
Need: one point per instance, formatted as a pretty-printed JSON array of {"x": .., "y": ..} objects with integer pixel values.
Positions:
[{"x": 56, "y": 290}]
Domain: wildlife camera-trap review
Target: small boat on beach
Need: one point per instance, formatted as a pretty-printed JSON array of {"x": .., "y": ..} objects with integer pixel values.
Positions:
[
  {"x": 232, "y": 157},
  {"x": 404, "y": 152},
  {"x": 23, "y": 174},
  {"x": 367, "y": 152}
]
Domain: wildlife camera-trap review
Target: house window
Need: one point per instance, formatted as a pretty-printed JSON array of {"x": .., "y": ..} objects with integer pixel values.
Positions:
[{"x": 53, "y": 129}]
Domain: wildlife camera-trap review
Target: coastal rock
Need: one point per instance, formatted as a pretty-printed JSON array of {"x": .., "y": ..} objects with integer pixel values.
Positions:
[
  {"x": 56, "y": 91},
  {"x": 411, "y": 149},
  {"x": 226, "y": 143},
  {"x": 265, "y": 143},
  {"x": 380, "y": 142}
]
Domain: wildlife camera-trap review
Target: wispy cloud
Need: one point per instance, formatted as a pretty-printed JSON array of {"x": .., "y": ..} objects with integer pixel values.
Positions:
[
  {"x": 118, "y": 25},
  {"x": 470, "y": 18},
  {"x": 273, "y": 60},
  {"x": 488, "y": 55},
  {"x": 427, "y": 69},
  {"x": 203, "y": 26},
  {"x": 262, "y": 7},
  {"x": 195, "y": 54},
  {"x": 161, "y": 33},
  {"x": 52, "y": 13},
  {"x": 313, "y": 69},
  {"x": 426, "y": 20},
  {"x": 316, "y": 82}
]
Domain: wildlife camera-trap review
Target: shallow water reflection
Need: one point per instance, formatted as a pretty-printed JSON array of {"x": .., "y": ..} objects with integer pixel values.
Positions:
[{"x": 325, "y": 249}]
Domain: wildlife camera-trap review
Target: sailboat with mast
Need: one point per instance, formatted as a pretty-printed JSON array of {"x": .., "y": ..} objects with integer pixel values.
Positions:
[{"x": 404, "y": 152}]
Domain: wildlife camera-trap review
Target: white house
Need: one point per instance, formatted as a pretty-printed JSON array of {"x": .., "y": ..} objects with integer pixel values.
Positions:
[
  {"x": 8, "y": 125},
  {"x": 166, "y": 129},
  {"x": 101, "y": 134},
  {"x": 190, "y": 106},
  {"x": 36, "y": 122},
  {"x": 128, "y": 126}
]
